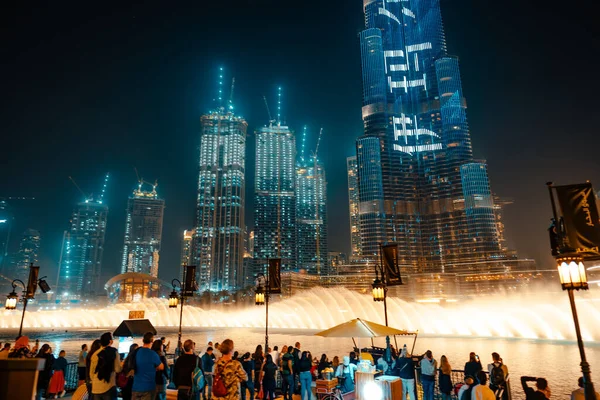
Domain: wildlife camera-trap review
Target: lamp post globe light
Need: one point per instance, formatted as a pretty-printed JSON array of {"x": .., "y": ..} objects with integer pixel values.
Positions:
[
  {"x": 173, "y": 299},
  {"x": 379, "y": 290},
  {"x": 12, "y": 297}
]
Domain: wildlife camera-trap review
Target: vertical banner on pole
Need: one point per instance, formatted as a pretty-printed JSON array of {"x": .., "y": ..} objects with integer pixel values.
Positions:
[
  {"x": 275, "y": 275},
  {"x": 189, "y": 284},
  {"x": 391, "y": 267},
  {"x": 32, "y": 282},
  {"x": 580, "y": 217}
]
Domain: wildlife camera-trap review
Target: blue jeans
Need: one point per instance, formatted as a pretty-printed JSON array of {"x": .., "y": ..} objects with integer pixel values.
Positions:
[
  {"x": 161, "y": 392},
  {"x": 305, "y": 385},
  {"x": 288, "y": 386},
  {"x": 428, "y": 389},
  {"x": 247, "y": 386}
]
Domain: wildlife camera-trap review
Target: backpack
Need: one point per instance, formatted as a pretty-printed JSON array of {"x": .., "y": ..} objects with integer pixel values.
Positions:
[
  {"x": 219, "y": 389},
  {"x": 198, "y": 379},
  {"x": 497, "y": 375}
]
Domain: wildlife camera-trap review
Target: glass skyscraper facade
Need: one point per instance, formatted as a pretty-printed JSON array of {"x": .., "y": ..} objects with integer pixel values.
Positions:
[
  {"x": 355, "y": 242},
  {"x": 83, "y": 247},
  {"x": 275, "y": 203},
  {"x": 143, "y": 232},
  {"x": 418, "y": 184},
  {"x": 29, "y": 250},
  {"x": 311, "y": 217},
  {"x": 218, "y": 244}
]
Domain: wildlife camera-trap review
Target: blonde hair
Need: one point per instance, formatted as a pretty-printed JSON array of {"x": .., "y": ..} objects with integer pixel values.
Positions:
[
  {"x": 445, "y": 366},
  {"x": 226, "y": 347}
]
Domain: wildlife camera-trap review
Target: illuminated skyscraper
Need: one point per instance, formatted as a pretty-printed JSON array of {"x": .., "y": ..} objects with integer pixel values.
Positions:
[
  {"x": 83, "y": 247},
  {"x": 29, "y": 250},
  {"x": 186, "y": 249},
  {"x": 143, "y": 232},
  {"x": 311, "y": 217},
  {"x": 418, "y": 183},
  {"x": 275, "y": 204},
  {"x": 219, "y": 238},
  {"x": 355, "y": 244}
]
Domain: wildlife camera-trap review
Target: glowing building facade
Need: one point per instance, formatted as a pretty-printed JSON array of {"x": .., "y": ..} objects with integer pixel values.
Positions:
[
  {"x": 83, "y": 248},
  {"x": 186, "y": 249},
  {"x": 311, "y": 217},
  {"x": 275, "y": 203},
  {"x": 218, "y": 245},
  {"x": 29, "y": 250},
  {"x": 353, "y": 202},
  {"x": 143, "y": 232},
  {"x": 418, "y": 184}
]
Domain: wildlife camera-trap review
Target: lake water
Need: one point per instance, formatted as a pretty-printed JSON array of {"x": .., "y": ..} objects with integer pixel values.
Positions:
[{"x": 557, "y": 361}]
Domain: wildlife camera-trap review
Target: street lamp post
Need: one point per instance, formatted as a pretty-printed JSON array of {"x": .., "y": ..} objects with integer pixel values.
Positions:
[
  {"x": 28, "y": 293},
  {"x": 573, "y": 277},
  {"x": 262, "y": 297},
  {"x": 174, "y": 300},
  {"x": 380, "y": 294}
]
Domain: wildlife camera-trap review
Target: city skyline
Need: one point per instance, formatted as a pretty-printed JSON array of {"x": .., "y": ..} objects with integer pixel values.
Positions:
[{"x": 502, "y": 134}]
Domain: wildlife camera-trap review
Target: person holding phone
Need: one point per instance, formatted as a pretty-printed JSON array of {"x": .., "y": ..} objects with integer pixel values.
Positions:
[{"x": 473, "y": 366}]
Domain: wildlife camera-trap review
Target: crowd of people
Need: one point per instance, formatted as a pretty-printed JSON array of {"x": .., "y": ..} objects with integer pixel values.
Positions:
[{"x": 220, "y": 372}]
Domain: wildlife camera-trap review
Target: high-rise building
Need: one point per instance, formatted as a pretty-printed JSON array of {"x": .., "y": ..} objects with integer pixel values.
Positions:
[
  {"x": 219, "y": 238},
  {"x": 418, "y": 183},
  {"x": 143, "y": 232},
  {"x": 186, "y": 250},
  {"x": 353, "y": 201},
  {"x": 275, "y": 203},
  {"x": 83, "y": 247},
  {"x": 311, "y": 217},
  {"x": 29, "y": 250}
]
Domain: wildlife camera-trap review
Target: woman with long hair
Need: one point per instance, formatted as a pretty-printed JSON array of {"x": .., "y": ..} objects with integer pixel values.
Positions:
[
  {"x": 323, "y": 363},
  {"x": 46, "y": 373},
  {"x": 445, "y": 378},
  {"x": 268, "y": 378},
  {"x": 88, "y": 360},
  {"x": 161, "y": 376},
  {"x": 473, "y": 366},
  {"x": 335, "y": 363},
  {"x": 126, "y": 391},
  {"x": 259, "y": 359},
  {"x": 304, "y": 367},
  {"x": 230, "y": 371}
]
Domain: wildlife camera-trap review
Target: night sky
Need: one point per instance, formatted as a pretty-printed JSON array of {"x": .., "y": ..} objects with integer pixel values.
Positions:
[{"x": 89, "y": 89}]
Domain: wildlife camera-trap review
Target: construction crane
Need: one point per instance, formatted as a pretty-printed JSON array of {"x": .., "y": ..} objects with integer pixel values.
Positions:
[
  {"x": 90, "y": 197},
  {"x": 271, "y": 120},
  {"x": 85, "y": 196},
  {"x": 317, "y": 224},
  {"x": 141, "y": 181}
]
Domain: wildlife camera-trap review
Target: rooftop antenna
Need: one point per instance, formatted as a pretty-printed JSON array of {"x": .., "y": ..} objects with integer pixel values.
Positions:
[
  {"x": 103, "y": 189},
  {"x": 279, "y": 105},
  {"x": 302, "y": 146},
  {"x": 271, "y": 120},
  {"x": 317, "y": 216},
  {"x": 231, "y": 94},
  {"x": 220, "y": 87}
]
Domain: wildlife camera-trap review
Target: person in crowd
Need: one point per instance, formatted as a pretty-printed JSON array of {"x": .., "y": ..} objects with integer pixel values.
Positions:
[
  {"x": 323, "y": 363},
  {"x": 126, "y": 391},
  {"x": 56, "y": 386},
  {"x": 104, "y": 365},
  {"x": 579, "y": 394},
  {"x": 147, "y": 362},
  {"x": 284, "y": 351},
  {"x": 216, "y": 351},
  {"x": 268, "y": 377},
  {"x": 5, "y": 350},
  {"x": 473, "y": 366},
  {"x": 498, "y": 377},
  {"x": 208, "y": 362},
  {"x": 21, "y": 349},
  {"x": 304, "y": 367},
  {"x": 335, "y": 363},
  {"x": 161, "y": 377},
  {"x": 404, "y": 367},
  {"x": 46, "y": 373},
  {"x": 345, "y": 373},
  {"x": 353, "y": 359},
  {"x": 445, "y": 378},
  {"x": 230, "y": 371},
  {"x": 249, "y": 367},
  {"x": 183, "y": 369},
  {"x": 541, "y": 384},
  {"x": 297, "y": 353},
  {"x": 275, "y": 355},
  {"x": 464, "y": 393},
  {"x": 88, "y": 359},
  {"x": 258, "y": 358},
  {"x": 480, "y": 390},
  {"x": 165, "y": 345},
  {"x": 287, "y": 373},
  {"x": 428, "y": 367},
  {"x": 81, "y": 364}
]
